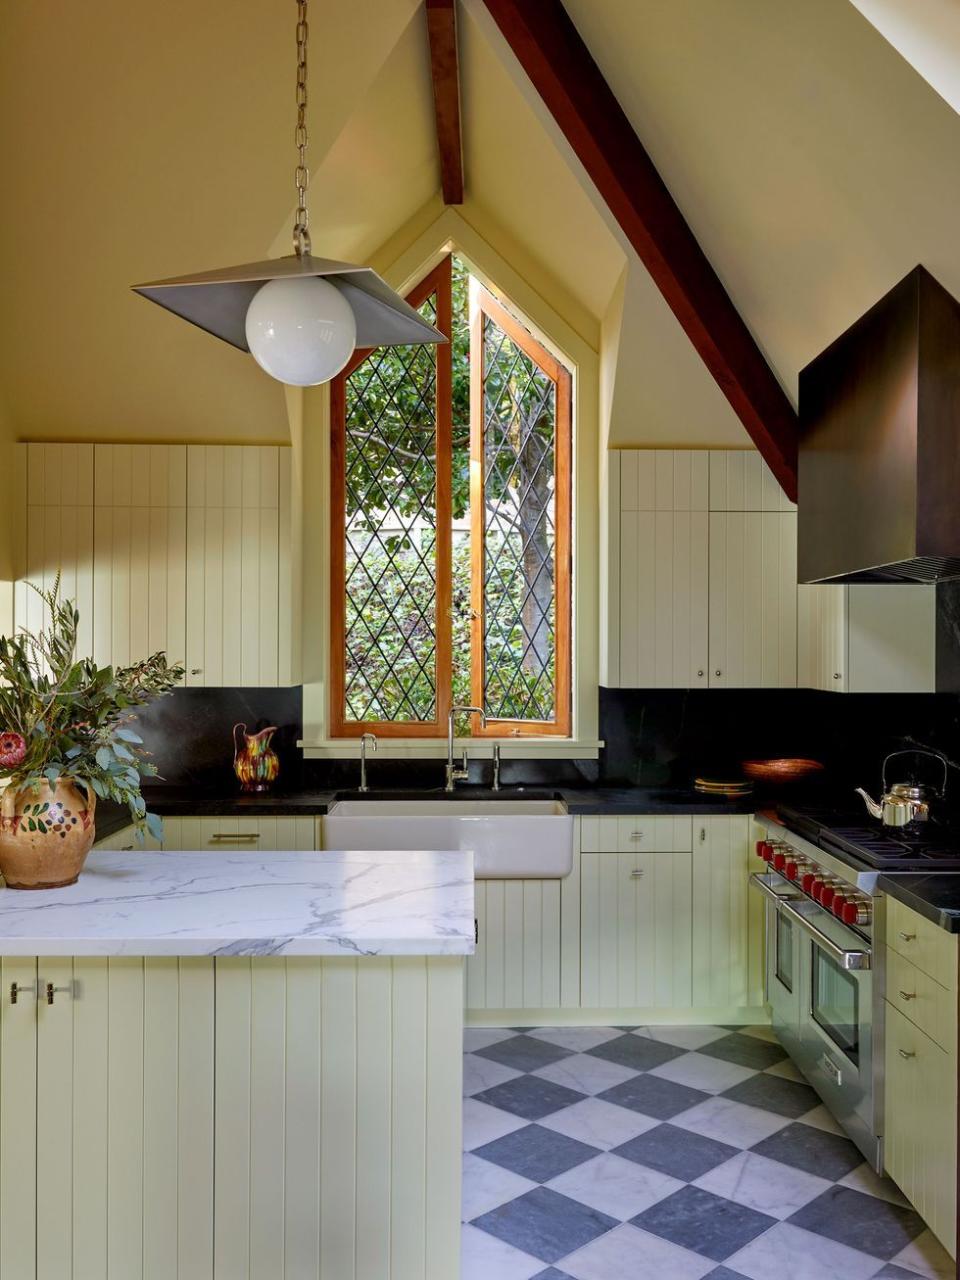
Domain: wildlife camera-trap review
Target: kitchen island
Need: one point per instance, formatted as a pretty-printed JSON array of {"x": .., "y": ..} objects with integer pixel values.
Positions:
[{"x": 235, "y": 1064}]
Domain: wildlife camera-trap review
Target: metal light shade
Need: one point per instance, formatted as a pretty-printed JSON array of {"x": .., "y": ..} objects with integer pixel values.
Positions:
[{"x": 217, "y": 301}]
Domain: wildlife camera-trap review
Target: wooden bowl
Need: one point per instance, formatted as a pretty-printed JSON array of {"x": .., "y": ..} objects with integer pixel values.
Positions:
[{"x": 788, "y": 769}]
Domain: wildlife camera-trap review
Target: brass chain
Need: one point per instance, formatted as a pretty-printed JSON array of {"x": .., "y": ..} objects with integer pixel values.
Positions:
[{"x": 301, "y": 234}]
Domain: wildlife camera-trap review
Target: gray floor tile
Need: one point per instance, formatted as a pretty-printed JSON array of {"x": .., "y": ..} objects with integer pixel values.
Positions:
[
  {"x": 530, "y": 1097},
  {"x": 724, "y": 1273},
  {"x": 745, "y": 1051},
  {"x": 703, "y": 1222},
  {"x": 524, "y": 1053},
  {"x": 679, "y": 1152},
  {"x": 536, "y": 1153},
  {"x": 654, "y": 1096},
  {"x": 860, "y": 1221},
  {"x": 636, "y": 1051},
  {"x": 552, "y": 1273},
  {"x": 892, "y": 1272},
  {"x": 771, "y": 1093},
  {"x": 545, "y": 1224},
  {"x": 813, "y": 1150}
]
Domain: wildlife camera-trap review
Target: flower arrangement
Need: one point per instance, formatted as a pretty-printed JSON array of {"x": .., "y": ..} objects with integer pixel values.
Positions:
[{"x": 64, "y": 718}]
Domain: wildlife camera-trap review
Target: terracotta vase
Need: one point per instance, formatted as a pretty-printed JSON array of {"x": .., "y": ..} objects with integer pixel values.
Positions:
[
  {"x": 255, "y": 763},
  {"x": 45, "y": 835}
]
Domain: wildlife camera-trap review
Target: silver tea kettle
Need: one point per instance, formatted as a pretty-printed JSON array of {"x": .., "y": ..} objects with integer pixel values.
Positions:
[{"x": 904, "y": 802}]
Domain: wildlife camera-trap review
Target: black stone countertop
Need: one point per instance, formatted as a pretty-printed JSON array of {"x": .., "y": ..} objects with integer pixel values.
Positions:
[
  {"x": 182, "y": 801},
  {"x": 937, "y": 897}
]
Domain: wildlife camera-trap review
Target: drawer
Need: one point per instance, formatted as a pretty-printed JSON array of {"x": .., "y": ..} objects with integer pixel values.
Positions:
[
  {"x": 922, "y": 1000},
  {"x": 647, "y": 832},
  {"x": 930, "y": 948}
]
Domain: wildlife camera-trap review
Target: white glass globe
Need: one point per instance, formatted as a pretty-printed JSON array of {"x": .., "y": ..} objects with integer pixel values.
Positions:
[{"x": 301, "y": 330}]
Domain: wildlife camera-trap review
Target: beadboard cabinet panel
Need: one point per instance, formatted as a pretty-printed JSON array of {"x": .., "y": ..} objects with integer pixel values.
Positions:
[
  {"x": 184, "y": 548},
  {"x": 753, "y": 600},
  {"x": 740, "y": 480},
  {"x": 517, "y": 964},
  {"x": 266, "y": 833},
  {"x": 244, "y": 1118}
]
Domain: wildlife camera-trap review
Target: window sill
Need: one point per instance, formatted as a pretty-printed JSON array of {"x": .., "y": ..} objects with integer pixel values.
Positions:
[{"x": 545, "y": 748}]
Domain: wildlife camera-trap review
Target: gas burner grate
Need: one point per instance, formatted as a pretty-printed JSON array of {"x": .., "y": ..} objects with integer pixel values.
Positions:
[{"x": 917, "y": 847}]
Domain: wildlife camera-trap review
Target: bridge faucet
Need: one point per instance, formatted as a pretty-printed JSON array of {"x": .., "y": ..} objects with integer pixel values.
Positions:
[
  {"x": 457, "y": 775},
  {"x": 364, "y": 739}
]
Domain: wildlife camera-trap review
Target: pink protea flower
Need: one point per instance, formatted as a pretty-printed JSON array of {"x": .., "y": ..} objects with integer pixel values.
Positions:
[{"x": 12, "y": 750}]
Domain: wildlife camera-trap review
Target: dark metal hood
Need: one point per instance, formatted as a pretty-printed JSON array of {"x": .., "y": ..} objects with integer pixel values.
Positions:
[{"x": 879, "y": 468}]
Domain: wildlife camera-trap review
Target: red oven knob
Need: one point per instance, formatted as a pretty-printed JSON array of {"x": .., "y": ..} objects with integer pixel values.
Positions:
[
  {"x": 809, "y": 880},
  {"x": 779, "y": 860},
  {"x": 817, "y": 888},
  {"x": 827, "y": 895},
  {"x": 791, "y": 871},
  {"x": 857, "y": 912},
  {"x": 838, "y": 904},
  {"x": 764, "y": 850}
]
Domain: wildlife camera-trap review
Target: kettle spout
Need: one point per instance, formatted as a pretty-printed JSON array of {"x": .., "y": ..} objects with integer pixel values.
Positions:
[{"x": 875, "y": 810}]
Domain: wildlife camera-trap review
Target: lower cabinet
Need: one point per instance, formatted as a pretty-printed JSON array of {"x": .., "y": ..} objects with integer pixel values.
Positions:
[
  {"x": 239, "y": 833},
  {"x": 237, "y": 1118}
]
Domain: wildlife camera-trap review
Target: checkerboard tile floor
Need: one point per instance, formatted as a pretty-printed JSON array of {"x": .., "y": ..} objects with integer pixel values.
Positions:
[{"x": 667, "y": 1153}]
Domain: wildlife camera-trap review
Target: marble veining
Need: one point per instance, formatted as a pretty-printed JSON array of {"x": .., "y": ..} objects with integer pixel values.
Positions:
[{"x": 249, "y": 903}]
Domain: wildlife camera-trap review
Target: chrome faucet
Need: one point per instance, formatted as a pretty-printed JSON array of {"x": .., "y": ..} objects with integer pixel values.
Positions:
[
  {"x": 496, "y": 766},
  {"x": 457, "y": 775},
  {"x": 364, "y": 739}
]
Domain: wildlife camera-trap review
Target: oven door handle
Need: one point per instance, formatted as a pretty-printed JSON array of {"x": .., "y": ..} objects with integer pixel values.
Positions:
[{"x": 850, "y": 960}]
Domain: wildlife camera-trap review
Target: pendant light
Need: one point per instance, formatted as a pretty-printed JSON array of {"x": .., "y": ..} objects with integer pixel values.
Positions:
[{"x": 300, "y": 317}]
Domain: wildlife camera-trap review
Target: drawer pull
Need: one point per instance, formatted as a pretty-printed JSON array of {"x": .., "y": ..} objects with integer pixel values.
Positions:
[
  {"x": 907, "y": 1053},
  {"x": 908, "y": 995},
  {"x": 244, "y": 835},
  {"x": 908, "y": 937},
  {"x": 636, "y": 874},
  {"x": 636, "y": 835}
]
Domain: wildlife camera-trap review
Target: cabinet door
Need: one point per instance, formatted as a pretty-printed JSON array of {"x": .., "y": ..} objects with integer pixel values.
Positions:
[
  {"x": 18, "y": 1118},
  {"x": 517, "y": 963},
  {"x": 663, "y": 570},
  {"x": 753, "y": 599},
  {"x": 822, "y": 637},
  {"x": 721, "y": 914},
  {"x": 636, "y": 930}
]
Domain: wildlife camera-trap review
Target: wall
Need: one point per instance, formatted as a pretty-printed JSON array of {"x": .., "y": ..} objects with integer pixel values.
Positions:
[{"x": 8, "y": 518}]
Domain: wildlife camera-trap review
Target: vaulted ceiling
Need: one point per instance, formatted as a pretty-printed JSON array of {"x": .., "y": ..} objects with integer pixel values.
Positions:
[{"x": 813, "y": 162}]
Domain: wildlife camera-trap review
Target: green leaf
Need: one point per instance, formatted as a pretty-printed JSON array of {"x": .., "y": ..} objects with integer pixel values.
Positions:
[
  {"x": 31, "y": 824},
  {"x": 73, "y": 753},
  {"x": 122, "y": 752},
  {"x": 127, "y": 735},
  {"x": 41, "y": 826},
  {"x": 154, "y": 826},
  {"x": 104, "y": 758}
]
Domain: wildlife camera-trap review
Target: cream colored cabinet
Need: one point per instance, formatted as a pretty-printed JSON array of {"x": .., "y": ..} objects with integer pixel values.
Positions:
[
  {"x": 866, "y": 638},
  {"x": 517, "y": 963},
  {"x": 185, "y": 1119},
  {"x": 184, "y": 548},
  {"x": 237, "y": 832},
  {"x": 702, "y": 571},
  {"x": 920, "y": 1066}
]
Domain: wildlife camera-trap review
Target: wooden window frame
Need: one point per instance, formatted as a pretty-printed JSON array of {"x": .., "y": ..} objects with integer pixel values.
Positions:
[
  {"x": 488, "y": 306},
  {"x": 439, "y": 281}
]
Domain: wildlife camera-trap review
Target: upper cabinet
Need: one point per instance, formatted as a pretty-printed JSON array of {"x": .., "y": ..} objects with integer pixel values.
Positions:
[
  {"x": 184, "y": 548},
  {"x": 868, "y": 639},
  {"x": 703, "y": 584}
]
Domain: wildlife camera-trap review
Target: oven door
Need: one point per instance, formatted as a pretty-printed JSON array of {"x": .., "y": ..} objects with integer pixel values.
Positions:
[{"x": 782, "y": 978}]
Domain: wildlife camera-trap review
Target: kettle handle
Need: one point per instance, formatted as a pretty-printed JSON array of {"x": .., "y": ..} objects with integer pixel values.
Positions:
[{"x": 915, "y": 751}]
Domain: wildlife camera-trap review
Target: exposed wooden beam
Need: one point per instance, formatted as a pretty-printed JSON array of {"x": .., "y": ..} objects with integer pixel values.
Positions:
[
  {"x": 562, "y": 70},
  {"x": 445, "y": 66}
]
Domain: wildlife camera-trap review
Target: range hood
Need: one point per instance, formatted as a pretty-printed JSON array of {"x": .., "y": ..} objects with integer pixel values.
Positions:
[{"x": 879, "y": 467}]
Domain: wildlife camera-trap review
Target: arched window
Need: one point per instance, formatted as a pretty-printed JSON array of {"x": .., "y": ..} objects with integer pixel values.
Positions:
[{"x": 451, "y": 486}]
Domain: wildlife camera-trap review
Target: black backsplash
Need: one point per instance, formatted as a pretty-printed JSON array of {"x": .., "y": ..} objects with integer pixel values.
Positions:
[{"x": 654, "y": 737}]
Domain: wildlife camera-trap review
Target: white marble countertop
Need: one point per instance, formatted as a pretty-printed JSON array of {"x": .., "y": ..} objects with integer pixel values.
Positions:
[{"x": 249, "y": 904}]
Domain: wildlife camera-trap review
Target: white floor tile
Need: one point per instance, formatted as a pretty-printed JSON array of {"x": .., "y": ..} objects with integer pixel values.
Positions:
[
  {"x": 482, "y": 1073},
  {"x": 484, "y": 1124},
  {"x": 789, "y": 1253},
  {"x": 486, "y": 1186},
  {"x": 483, "y": 1257},
  {"x": 585, "y": 1073},
  {"x": 730, "y": 1121},
  {"x": 787, "y": 1070},
  {"x": 821, "y": 1118},
  {"x": 927, "y": 1256},
  {"x": 683, "y": 1037},
  {"x": 615, "y": 1186},
  {"x": 475, "y": 1038},
  {"x": 762, "y": 1032},
  {"x": 699, "y": 1071},
  {"x": 598, "y": 1123},
  {"x": 765, "y": 1185},
  {"x": 626, "y": 1253},
  {"x": 864, "y": 1179},
  {"x": 580, "y": 1039}
]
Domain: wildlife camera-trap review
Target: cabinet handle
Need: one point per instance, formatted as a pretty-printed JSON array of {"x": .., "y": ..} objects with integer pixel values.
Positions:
[
  {"x": 908, "y": 937},
  {"x": 637, "y": 873},
  {"x": 636, "y": 835},
  {"x": 51, "y": 990},
  {"x": 244, "y": 835},
  {"x": 908, "y": 995},
  {"x": 18, "y": 989},
  {"x": 703, "y": 835},
  {"x": 196, "y": 671},
  {"x": 907, "y": 1053}
]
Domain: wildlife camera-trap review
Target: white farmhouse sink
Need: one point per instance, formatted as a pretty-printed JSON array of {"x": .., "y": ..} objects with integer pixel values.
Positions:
[{"x": 509, "y": 839}]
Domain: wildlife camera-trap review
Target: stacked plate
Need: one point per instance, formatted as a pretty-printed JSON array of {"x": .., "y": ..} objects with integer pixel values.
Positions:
[{"x": 724, "y": 786}]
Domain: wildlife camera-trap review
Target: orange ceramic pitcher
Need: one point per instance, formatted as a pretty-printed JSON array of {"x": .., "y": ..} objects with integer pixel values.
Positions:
[{"x": 255, "y": 763}]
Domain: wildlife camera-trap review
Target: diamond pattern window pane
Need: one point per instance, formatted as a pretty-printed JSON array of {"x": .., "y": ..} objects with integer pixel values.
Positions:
[
  {"x": 390, "y": 625},
  {"x": 519, "y": 432}
]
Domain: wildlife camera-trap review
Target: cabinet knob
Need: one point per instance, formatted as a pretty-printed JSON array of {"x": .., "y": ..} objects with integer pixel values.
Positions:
[
  {"x": 907, "y": 1053},
  {"x": 908, "y": 995},
  {"x": 700, "y": 673},
  {"x": 196, "y": 671},
  {"x": 837, "y": 675},
  {"x": 908, "y": 937},
  {"x": 718, "y": 672}
]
